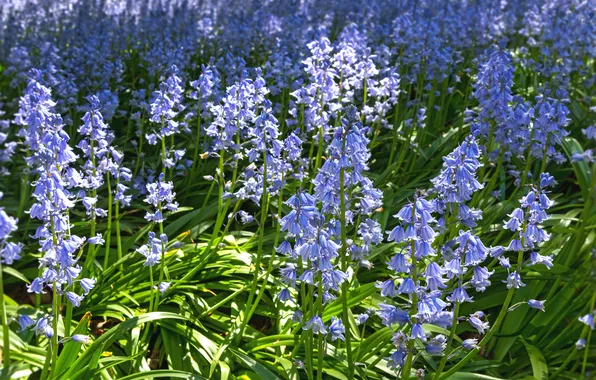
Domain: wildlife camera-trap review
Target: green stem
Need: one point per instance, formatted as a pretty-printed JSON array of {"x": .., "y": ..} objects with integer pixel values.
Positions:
[
  {"x": 319, "y": 311},
  {"x": 394, "y": 141},
  {"x": 449, "y": 343},
  {"x": 271, "y": 260},
  {"x": 162, "y": 263},
  {"x": 491, "y": 332},
  {"x": 195, "y": 157},
  {"x": 106, "y": 258},
  {"x": 319, "y": 153},
  {"x": 140, "y": 150},
  {"x": 118, "y": 238},
  {"x": 5, "y": 327},
  {"x": 24, "y": 193},
  {"x": 152, "y": 289},
  {"x": 345, "y": 286},
  {"x": 88, "y": 264},
  {"x": 54, "y": 340},
  {"x": 221, "y": 213},
  {"x": 588, "y": 338},
  {"x": 253, "y": 287},
  {"x": 405, "y": 374},
  {"x": 68, "y": 319}
]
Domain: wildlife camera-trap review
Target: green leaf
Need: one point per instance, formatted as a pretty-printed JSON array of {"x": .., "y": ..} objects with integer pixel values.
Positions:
[
  {"x": 253, "y": 365},
  {"x": 472, "y": 376},
  {"x": 15, "y": 273},
  {"x": 166, "y": 373},
  {"x": 71, "y": 348},
  {"x": 88, "y": 360},
  {"x": 581, "y": 169},
  {"x": 539, "y": 366}
]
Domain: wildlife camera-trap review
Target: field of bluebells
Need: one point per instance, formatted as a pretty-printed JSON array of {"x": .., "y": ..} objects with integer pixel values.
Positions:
[{"x": 298, "y": 189}]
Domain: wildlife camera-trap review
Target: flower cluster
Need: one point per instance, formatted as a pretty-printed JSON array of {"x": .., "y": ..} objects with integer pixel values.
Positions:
[
  {"x": 526, "y": 222},
  {"x": 457, "y": 182},
  {"x": 314, "y": 253},
  {"x": 7, "y": 149},
  {"x": 415, "y": 235},
  {"x": 165, "y": 105},
  {"x": 9, "y": 251},
  {"x": 53, "y": 200}
]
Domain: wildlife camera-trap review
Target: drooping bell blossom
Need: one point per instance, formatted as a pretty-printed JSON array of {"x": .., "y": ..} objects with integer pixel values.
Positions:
[
  {"x": 36, "y": 109},
  {"x": 386, "y": 94},
  {"x": 477, "y": 321},
  {"x": 536, "y": 304},
  {"x": 205, "y": 90},
  {"x": 348, "y": 151},
  {"x": 551, "y": 119},
  {"x": 153, "y": 250},
  {"x": 165, "y": 105},
  {"x": 235, "y": 112},
  {"x": 470, "y": 344},
  {"x": 315, "y": 250},
  {"x": 53, "y": 200},
  {"x": 590, "y": 132},
  {"x": 102, "y": 159},
  {"x": 7, "y": 149},
  {"x": 264, "y": 151},
  {"x": 580, "y": 344},
  {"x": 457, "y": 182},
  {"x": 95, "y": 146},
  {"x": 161, "y": 196},
  {"x": 588, "y": 319},
  {"x": 493, "y": 86},
  {"x": 502, "y": 116},
  {"x": 526, "y": 223},
  {"x": 415, "y": 234},
  {"x": 317, "y": 101},
  {"x": 9, "y": 251}
]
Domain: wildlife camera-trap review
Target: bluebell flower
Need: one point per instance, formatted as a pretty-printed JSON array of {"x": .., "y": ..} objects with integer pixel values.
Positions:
[
  {"x": 153, "y": 250},
  {"x": 9, "y": 251},
  {"x": 391, "y": 315},
  {"x": 418, "y": 332},
  {"x": 514, "y": 281},
  {"x": 25, "y": 322},
  {"x": 459, "y": 295},
  {"x": 407, "y": 287},
  {"x": 43, "y": 326},
  {"x": 580, "y": 344},
  {"x": 476, "y": 322},
  {"x": 80, "y": 338},
  {"x": 535, "y": 304},
  {"x": 87, "y": 284},
  {"x": 337, "y": 329},
  {"x": 97, "y": 240},
  {"x": 396, "y": 359},
  {"x": 50, "y": 157},
  {"x": 284, "y": 295},
  {"x": 590, "y": 132},
  {"x": 436, "y": 345},
  {"x": 387, "y": 288},
  {"x": 316, "y": 325},
  {"x": 470, "y": 344},
  {"x": 457, "y": 182},
  {"x": 74, "y": 298},
  {"x": 361, "y": 318},
  {"x": 163, "y": 287},
  {"x": 587, "y": 320}
]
